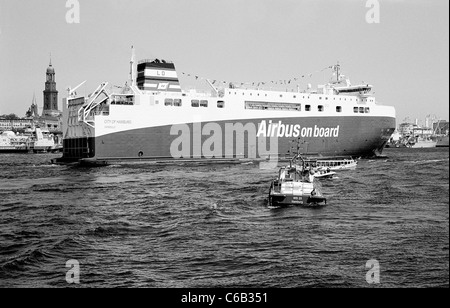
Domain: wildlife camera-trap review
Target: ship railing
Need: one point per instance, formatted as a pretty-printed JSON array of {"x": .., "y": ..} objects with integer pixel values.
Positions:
[{"x": 153, "y": 60}]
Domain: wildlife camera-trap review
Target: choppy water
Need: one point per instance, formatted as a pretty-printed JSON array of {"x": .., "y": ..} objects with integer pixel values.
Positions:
[{"x": 209, "y": 226}]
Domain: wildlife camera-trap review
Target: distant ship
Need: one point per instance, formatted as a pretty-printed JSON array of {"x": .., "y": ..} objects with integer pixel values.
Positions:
[
  {"x": 12, "y": 143},
  {"x": 34, "y": 140},
  {"x": 43, "y": 141},
  {"x": 153, "y": 118}
]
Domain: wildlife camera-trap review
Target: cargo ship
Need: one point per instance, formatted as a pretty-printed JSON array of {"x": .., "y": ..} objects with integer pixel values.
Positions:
[{"x": 153, "y": 118}]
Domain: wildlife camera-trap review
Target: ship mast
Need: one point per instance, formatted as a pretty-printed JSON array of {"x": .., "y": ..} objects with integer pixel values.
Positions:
[
  {"x": 337, "y": 68},
  {"x": 132, "y": 66}
]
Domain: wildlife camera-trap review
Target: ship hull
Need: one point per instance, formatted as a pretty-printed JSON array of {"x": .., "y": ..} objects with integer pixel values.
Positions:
[
  {"x": 12, "y": 150},
  {"x": 424, "y": 144},
  {"x": 236, "y": 139},
  {"x": 282, "y": 200}
]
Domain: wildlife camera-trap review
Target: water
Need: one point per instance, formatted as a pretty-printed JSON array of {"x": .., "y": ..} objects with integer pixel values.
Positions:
[{"x": 209, "y": 226}]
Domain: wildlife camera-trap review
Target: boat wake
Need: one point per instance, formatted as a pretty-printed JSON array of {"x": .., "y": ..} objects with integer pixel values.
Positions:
[{"x": 429, "y": 161}]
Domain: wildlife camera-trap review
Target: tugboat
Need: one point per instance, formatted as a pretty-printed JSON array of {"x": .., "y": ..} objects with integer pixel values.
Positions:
[{"x": 295, "y": 186}]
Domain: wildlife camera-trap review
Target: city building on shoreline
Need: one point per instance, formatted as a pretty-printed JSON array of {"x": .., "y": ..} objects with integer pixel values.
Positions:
[{"x": 50, "y": 119}]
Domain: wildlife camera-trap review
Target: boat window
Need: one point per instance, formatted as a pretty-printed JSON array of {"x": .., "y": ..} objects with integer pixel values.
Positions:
[
  {"x": 177, "y": 102},
  {"x": 220, "y": 104},
  {"x": 338, "y": 109},
  {"x": 307, "y": 107},
  {"x": 194, "y": 103},
  {"x": 355, "y": 109},
  {"x": 272, "y": 106},
  {"x": 203, "y": 103},
  {"x": 367, "y": 110},
  {"x": 168, "y": 102},
  {"x": 361, "y": 109},
  {"x": 122, "y": 100},
  {"x": 320, "y": 108}
]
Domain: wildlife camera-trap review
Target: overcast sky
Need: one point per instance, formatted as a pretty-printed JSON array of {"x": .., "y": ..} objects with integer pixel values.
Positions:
[{"x": 405, "y": 56}]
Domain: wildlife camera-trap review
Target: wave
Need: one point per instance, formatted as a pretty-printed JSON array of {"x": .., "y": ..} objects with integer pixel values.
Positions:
[{"x": 25, "y": 261}]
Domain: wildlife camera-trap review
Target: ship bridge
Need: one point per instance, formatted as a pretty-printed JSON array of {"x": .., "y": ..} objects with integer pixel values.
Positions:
[{"x": 157, "y": 75}]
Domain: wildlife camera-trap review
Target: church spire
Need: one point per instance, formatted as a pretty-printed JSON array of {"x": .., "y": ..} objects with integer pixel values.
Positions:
[{"x": 50, "y": 92}]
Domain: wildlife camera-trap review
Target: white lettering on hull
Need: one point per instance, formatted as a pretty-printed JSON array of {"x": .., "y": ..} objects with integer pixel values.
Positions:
[{"x": 295, "y": 130}]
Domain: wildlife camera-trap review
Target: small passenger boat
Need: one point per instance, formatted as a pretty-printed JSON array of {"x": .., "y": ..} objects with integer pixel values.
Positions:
[
  {"x": 323, "y": 173},
  {"x": 332, "y": 164}
]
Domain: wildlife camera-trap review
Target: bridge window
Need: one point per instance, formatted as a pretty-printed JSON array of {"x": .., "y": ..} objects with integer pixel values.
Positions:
[
  {"x": 355, "y": 109},
  {"x": 307, "y": 107},
  {"x": 367, "y": 110},
  {"x": 338, "y": 109},
  {"x": 320, "y": 108},
  {"x": 168, "y": 102},
  {"x": 361, "y": 109},
  {"x": 204, "y": 103},
  {"x": 194, "y": 103},
  {"x": 220, "y": 104}
]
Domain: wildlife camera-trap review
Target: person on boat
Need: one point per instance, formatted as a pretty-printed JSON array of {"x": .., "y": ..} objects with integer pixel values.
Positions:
[{"x": 305, "y": 174}]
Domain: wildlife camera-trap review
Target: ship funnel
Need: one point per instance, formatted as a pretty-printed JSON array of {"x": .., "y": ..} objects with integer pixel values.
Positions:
[{"x": 157, "y": 75}]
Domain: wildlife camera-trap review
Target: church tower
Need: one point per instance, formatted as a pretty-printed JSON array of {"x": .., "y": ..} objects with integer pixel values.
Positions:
[{"x": 50, "y": 94}]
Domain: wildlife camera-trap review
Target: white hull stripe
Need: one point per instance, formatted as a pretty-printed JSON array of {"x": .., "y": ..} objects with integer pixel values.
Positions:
[
  {"x": 160, "y": 73},
  {"x": 150, "y": 85}
]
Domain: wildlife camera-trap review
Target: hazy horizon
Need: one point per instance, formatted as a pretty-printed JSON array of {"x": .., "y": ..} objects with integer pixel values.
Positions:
[{"x": 405, "y": 56}]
